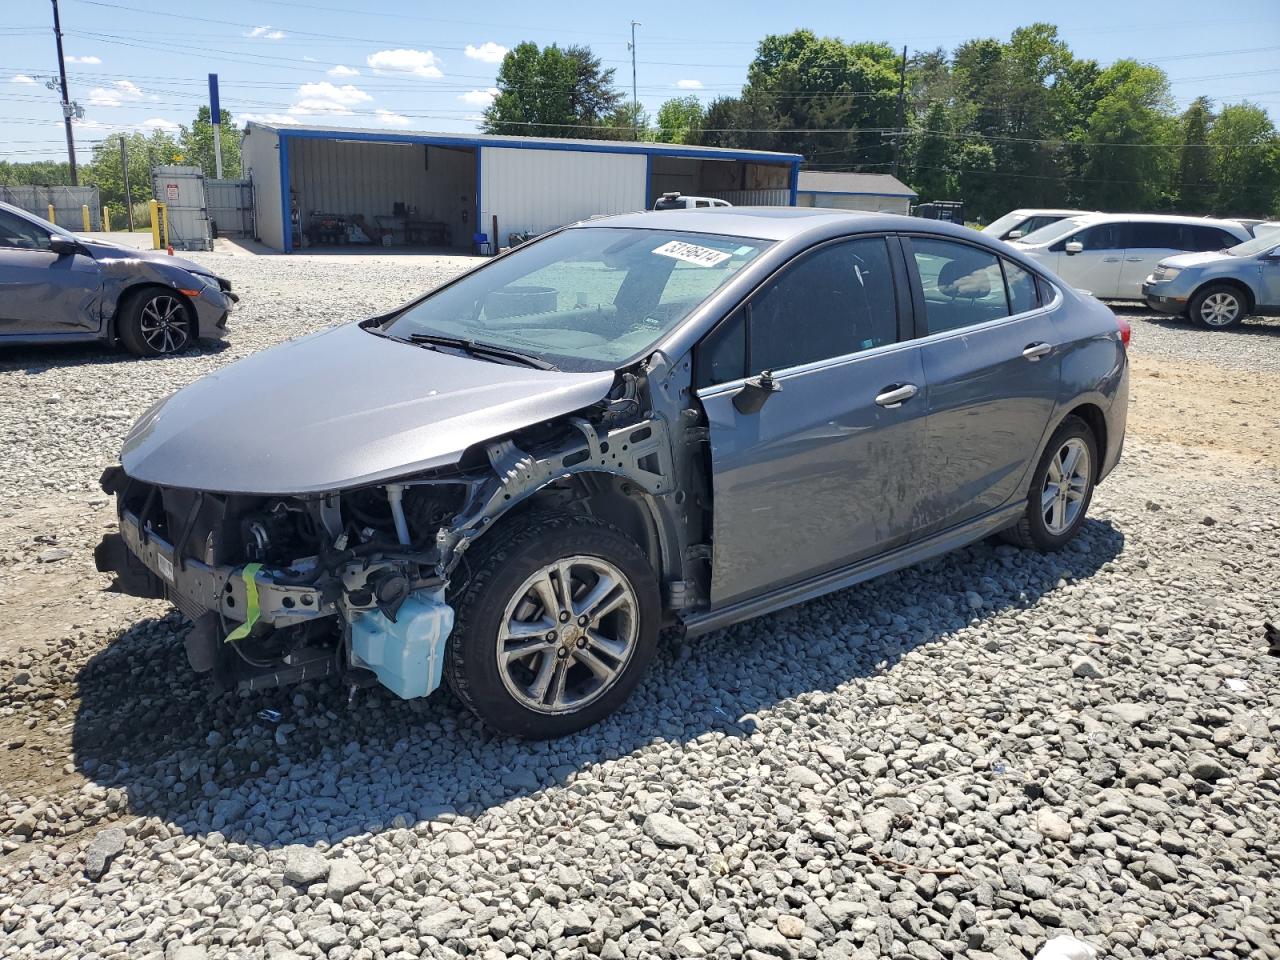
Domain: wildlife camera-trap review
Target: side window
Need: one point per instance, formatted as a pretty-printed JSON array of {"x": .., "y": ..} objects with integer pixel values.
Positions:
[
  {"x": 1022, "y": 288},
  {"x": 833, "y": 302},
  {"x": 702, "y": 203},
  {"x": 1211, "y": 239},
  {"x": 1102, "y": 236},
  {"x": 1154, "y": 235},
  {"x": 962, "y": 285},
  {"x": 16, "y": 233}
]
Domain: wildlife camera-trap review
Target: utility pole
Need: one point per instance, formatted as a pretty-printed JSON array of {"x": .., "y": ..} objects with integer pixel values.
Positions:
[
  {"x": 124, "y": 169},
  {"x": 902, "y": 102},
  {"x": 67, "y": 108},
  {"x": 635, "y": 100}
]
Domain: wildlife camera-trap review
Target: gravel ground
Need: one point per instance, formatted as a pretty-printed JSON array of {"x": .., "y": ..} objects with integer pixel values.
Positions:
[
  {"x": 1254, "y": 345},
  {"x": 963, "y": 759}
]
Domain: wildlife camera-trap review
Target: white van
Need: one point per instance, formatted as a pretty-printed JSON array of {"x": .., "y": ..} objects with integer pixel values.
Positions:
[
  {"x": 1018, "y": 223},
  {"x": 1110, "y": 254},
  {"x": 678, "y": 201}
]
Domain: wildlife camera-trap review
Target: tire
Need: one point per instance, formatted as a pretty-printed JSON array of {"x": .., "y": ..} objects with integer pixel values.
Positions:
[
  {"x": 155, "y": 322},
  {"x": 507, "y": 568},
  {"x": 1219, "y": 306},
  {"x": 1041, "y": 527}
]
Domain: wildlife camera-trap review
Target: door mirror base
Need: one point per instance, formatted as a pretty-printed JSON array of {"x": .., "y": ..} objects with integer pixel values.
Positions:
[
  {"x": 755, "y": 392},
  {"x": 64, "y": 246}
]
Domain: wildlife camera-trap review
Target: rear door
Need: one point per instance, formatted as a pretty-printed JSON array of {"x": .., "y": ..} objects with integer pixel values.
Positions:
[
  {"x": 992, "y": 356},
  {"x": 1147, "y": 242},
  {"x": 1096, "y": 268},
  {"x": 814, "y": 464},
  {"x": 41, "y": 292}
]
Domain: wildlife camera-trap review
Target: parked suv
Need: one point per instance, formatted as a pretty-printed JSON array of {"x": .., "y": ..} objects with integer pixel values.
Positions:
[
  {"x": 678, "y": 201},
  {"x": 1219, "y": 289},
  {"x": 56, "y": 287},
  {"x": 1110, "y": 254},
  {"x": 1018, "y": 223},
  {"x": 679, "y": 419}
]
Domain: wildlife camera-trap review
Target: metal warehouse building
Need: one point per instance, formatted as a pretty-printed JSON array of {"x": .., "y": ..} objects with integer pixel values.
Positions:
[
  {"x": 854, "y": 191},
  {"x": 320, "y": 185}
]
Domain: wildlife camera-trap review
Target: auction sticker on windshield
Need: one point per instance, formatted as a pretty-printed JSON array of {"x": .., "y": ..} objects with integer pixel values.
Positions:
[{"x": 692, "y": 253}]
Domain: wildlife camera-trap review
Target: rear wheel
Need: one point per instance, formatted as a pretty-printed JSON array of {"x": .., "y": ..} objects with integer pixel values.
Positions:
[
  {"x": 154, "y": 322},
  {"x": 1061, "y": 489},
  {"x": 1219, "y": 306},
  {"x": 555, "y": 626}
]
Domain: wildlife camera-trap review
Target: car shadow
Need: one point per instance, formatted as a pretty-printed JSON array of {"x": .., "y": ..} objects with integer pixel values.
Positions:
[
  {"x": 200, "y": 762},
  {"x": 37, "y": 359}
]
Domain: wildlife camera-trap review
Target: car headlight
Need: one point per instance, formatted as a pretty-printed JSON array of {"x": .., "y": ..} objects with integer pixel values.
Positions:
[{"x": 1165, "y": 273}]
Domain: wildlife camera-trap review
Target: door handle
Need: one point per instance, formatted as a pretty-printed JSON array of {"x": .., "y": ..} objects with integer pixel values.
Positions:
[
  {"x": 1135, "y": 259},
  {"x": 1110, "y": 259},
  {"x": 896, "y": 394},
  {"x": 1035, "y": 351}
]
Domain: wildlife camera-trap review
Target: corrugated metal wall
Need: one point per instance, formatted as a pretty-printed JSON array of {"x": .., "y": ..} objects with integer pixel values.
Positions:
[
  {"x": 68, "y": 203},
  {"x": 752, "y": 198},
  {"x": 741, "y": 183},
  {"x": 353, "y": 177},
  {"x": 875, "y": 204},
  {"x": 230, "y": 205},
  {"x": 261, "y": 160},
  {"x": 539, "y": 190}
]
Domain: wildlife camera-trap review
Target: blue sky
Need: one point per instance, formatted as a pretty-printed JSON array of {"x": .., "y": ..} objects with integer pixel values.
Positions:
[{"x": 140, "y": 64}]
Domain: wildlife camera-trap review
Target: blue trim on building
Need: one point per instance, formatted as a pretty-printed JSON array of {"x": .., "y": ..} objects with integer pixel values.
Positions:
[
  {"x": 286, "y": 222},
  {"x": 854, "y": 193},
  {"x": 795, "y": 182}
]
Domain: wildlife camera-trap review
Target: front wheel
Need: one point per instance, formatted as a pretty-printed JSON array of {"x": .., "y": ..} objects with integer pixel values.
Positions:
[
  {"x": 555, "y": 626},
  {"x": 1219, "y": 306},
  {"x": 154, "y": 323},
  {"x": 1061, "y": 489}
]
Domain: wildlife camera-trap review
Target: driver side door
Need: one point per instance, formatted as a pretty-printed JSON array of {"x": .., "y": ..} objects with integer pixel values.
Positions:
[
  {"x": 40, "y": 291},
  {"x": 816, "y": 417},
  {"x": 1096, "y": 268}
]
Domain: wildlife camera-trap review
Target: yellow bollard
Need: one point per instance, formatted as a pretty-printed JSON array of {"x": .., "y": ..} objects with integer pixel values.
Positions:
[
  {"x": 106, "y": 218},
  {"x": 84, "y": 212},
  {"x": 51, "y": 217},
  {"x": 164, "y": 216},
  {"x": 155, "y": 225}
]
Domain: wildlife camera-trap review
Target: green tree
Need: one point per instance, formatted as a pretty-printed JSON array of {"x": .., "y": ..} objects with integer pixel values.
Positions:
[
  {"x": 143, "y": 152},
  {"x": 680, "y": 120},
  {"x": 196, "y": 142},
  {"x": 1247, "y": 162},
  {"x": 1195, "y": 186},
  {"x": 35, "y": 173},
  {"x": 552, "y": 92}
]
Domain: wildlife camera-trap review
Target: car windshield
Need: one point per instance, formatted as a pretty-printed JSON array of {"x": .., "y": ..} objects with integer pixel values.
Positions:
[
  {"x": 585, "y": 299},
  {"x": 1051, "y": 232},
  {"x": 1010, "y": 220},
  {"x": 1256, "y": 246}
]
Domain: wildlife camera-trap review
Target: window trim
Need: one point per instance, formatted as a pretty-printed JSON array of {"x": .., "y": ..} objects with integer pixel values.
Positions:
[
  {"x": 901, "y": 297},
  {"x": 917, "y": 291}
]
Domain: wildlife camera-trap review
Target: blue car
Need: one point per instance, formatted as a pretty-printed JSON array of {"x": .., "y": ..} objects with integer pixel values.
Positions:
[{"x": 1219, "y": 289}]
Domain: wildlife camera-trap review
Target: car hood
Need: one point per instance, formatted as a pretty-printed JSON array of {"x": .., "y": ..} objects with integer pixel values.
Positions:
[
  {"x": 339, "y": 409},
  {"x": 109, "y": 250},
  {"x": 1183, "y": 260}
]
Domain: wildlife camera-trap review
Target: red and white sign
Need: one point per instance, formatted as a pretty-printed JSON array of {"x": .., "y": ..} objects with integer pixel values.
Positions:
[{"x": 170, "y": 192}]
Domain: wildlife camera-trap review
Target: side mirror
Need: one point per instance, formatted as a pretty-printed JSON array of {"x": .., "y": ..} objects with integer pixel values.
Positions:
[
  {"x": 1074, "y": 246},
  {"x": 63, "y": 246},
  {"x": 1014, "y": 235}
]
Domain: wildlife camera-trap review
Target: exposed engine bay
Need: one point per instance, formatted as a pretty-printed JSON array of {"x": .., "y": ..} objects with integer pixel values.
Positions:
[{"x": 354, "y": 583}]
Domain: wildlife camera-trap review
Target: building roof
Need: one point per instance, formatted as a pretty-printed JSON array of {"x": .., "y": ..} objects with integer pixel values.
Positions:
[
  {"x": 853, "y": 184},
  {"x": 324, "y": 132}
]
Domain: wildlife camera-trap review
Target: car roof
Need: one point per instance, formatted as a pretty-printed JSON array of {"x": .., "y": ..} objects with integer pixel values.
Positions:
[
  {"x": 1158, "y": 218},
  {"x": 776, "y": 223},
  {"x": 1043, "y": 210}
]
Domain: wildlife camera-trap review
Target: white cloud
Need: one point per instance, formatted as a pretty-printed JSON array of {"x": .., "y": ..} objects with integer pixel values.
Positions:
[
  {"x": 478, "y": 98},
  {"x": 689, "y": 84},
  {"x": 266, "y": 33},
  {"x": 389, "y": 118},
  {"x": 325, "y": 97},
  {"x": 487, "y": 52},
  {"x": 115, "y": 95},
  {"x": 88, "y": 59},
  {"x": 342, "y": 70},
  {"x": 159, "y": 123},
  {"x": 21, "y": 78},
  {"x": 273, "y": 119},
  {"x": 419, "y": 63}
]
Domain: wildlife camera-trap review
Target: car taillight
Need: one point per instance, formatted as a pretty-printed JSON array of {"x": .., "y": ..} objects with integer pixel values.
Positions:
[{"x": 1125, "y": 331}]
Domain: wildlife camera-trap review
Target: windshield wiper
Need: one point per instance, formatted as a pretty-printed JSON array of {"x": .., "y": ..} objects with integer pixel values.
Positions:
[{"x": 479, "y": 349}]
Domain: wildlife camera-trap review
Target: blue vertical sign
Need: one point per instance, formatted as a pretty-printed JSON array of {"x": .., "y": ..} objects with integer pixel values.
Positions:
[{"x": 215, "y": 114}]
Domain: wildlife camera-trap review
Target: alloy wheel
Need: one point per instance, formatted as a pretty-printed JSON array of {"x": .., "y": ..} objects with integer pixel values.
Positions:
[
  {"x": 164, "y": 324},
  {"x": 1065, "y": 485},
  {"x": 1219, "y": 309},
  {"x": 567, "y": 634}
]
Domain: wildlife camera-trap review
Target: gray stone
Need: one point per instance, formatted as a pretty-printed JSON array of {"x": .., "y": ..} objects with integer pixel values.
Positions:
[
  {"x": 1204, "y": 767},
  {"x": 304, "y": 866},
  {"x": 345, "y": 877},
  {"x": 102, "y": 850},
  {"x": 669, "y": 832},
  {"x": 1053, "y": 826}
]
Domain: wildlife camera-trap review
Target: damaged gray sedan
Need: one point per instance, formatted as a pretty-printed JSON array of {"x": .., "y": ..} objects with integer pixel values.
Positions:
[{"x": 657, "y": 421}]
